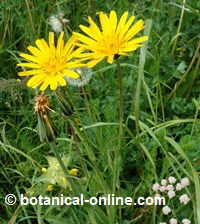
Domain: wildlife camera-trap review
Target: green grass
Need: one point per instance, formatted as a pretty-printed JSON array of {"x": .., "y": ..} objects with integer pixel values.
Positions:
[{"x": 157, "y": 135}]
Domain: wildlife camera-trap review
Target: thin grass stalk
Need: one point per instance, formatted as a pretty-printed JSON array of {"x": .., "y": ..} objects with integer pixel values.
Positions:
[
  {"x": 65, "y": 101},
  {"x": 179, "y": 27},
  {"x": 62, "y": 165},
  {"x": 194, "y": 174},
  {"x": 142, "y": 59},
  {"x": 177, "y": 85},
  {"x": 57, "y": 155},
  {"x": 30, "y": 15},
  {"x": 87, "y": 104}
]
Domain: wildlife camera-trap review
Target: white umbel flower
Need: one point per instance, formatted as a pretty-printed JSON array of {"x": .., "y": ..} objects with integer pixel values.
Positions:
[
  {"x": 179, "y": 187},
  {"x": 185, "y": 182},
  {"x": 173, "y": 221},
  {"x": 166, "y": 210},
  {"x": 186, "y": 221},
  {"x": 184, "y": 199},
  {"x": 164, "y": 182},
  {"x": 171, "y": 194},
  {"x": 172, "y": 180},
  {"x": 170, "y": 187},
  {"x": 162, "y": 189},
  {"x": 57, "y": 22},
  {"x": 156, "y": 187}
]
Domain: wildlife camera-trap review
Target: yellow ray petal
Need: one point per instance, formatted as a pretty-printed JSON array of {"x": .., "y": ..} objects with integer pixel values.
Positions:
[
  {"x": 52, "y": 43},
  {"x": 92, "y": 63},
  {"x": 29, "y": 57},
  {"x": 113, "y": 21},
  {"x": 68, "y": 53},
  {"x": 82, "y": 45},
  {"x": 124, "y": 29},
  {"x": 30, "y": 72},
  {"x": 84, "y": 39},
  {"x": 35, "y": 80},
  {"x": 122, "y": 22},
  {"x": 124, "y": 54},
  {"x": 110, "y": 59},
  {"x": 137, "y": 27},
  {"x": 71, "y": 74},
  {"x": 53, "y": 83},
  {"x": 35, "y": 51},
  {"x": 42, "y": 45},
  {"x": 44, "y": 85},
  {"x": 94, "y": 28},
  {"x": 70, "y": 43},
  {"x": 89, "y": 32},
  {"x": 60, "y": 44},
  {"x": 78, "y": 52},
  {"x": 29, "y": 65},
  {"x": 42, "y": 57},
  {"x": 73, "y": 64},
  {"x": 61, "y": 81},
  {"x": 137, "y": 40},
  {"x": 74, "y": 54},
  {"x": 134, "y": 44},
  {"x": 51, "y": 39},
  {"x": 92, "y": 55},
  {"x": 105, "y": 23},
  {"x": 131, "y": 48}
]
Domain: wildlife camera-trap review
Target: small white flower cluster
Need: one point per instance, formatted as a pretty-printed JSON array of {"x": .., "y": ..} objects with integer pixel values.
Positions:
[
  {"x": 170, "y": 187},
  {"x": 57, "y": 22},
  {"x": 175, "y": 221}
]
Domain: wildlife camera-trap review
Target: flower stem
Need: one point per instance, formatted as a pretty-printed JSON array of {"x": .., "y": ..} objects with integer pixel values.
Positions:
[
  {"x": 117, "y": 158},
  {"x": 121, "y": 111},
  {"x": 57, "y": 155}
]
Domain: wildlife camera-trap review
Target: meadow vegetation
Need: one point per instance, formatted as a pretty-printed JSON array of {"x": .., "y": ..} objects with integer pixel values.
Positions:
[{"x": 113, "y": 137}]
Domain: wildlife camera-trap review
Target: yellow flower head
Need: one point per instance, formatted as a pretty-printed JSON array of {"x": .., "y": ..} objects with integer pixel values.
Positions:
[
  {"x": 73, "y": 172},
  {"x": 112, "y": 39},
  {"x": 44, "y": 170},
  {"x": 50, "y": 187},
  {"x": 49, "y": 63}
]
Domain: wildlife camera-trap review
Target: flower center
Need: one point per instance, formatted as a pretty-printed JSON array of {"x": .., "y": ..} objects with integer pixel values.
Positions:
[
  {"x": 53, "y": 66},
  {"x": 110, "y": 46}
]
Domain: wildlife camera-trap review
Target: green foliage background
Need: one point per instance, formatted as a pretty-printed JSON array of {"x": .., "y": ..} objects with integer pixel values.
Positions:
[{"x": 169, "y": 131}]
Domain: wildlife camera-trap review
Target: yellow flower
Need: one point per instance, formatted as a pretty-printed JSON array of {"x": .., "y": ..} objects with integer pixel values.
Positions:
[
  {"x": 73, "y": 172},
  {"x": 115, "y": 37},
  {"x": 44, "y": 170},
  {"x": 50, "y": 63},
  {"x": 50, "y": 187}
]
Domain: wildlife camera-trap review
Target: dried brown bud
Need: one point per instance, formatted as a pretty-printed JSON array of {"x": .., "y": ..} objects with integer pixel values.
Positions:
[{"x": 41, "y": 104}]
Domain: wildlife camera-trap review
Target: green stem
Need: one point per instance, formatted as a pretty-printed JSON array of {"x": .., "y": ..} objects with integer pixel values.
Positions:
[
  {"x": 87, "y": 104},
  {"x": 73, "y": 122},
  {"x": 57, "y": 155},
  {"x": 143, "y": 52},
  {"x": 179, "y": 26},
  {"x": 121, "y": 111},
  {"x": 53, "y": 148},
  {"x": 183, "y": 78},
  {"x": 117, "y": 158}
]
